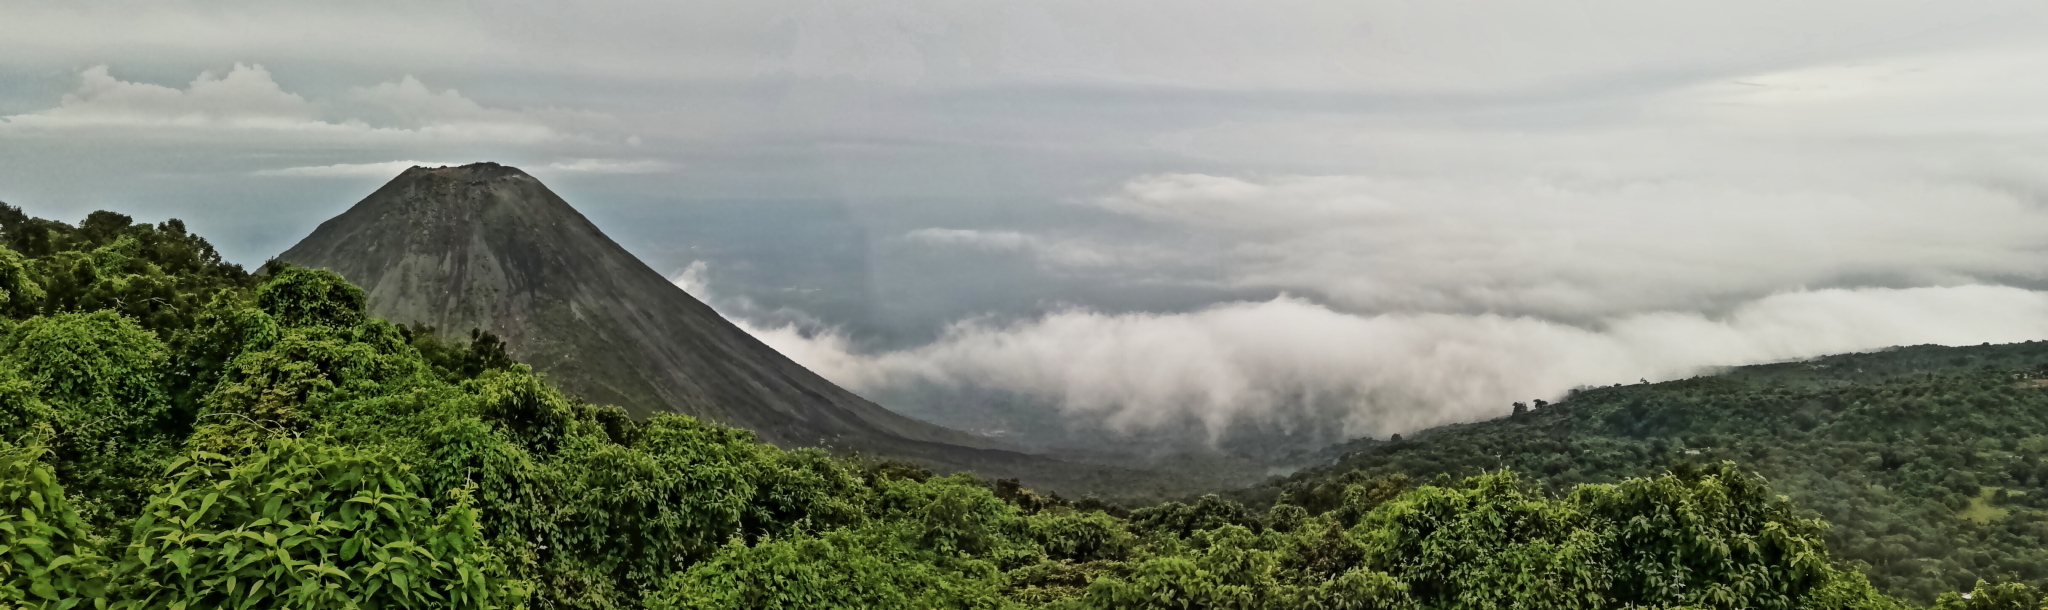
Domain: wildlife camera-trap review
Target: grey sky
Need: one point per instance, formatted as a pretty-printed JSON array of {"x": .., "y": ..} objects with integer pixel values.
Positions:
[{"x": 1349, "y": 217}]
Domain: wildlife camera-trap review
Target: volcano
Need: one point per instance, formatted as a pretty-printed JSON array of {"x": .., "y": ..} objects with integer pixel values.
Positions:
[{"x": 486, "y": 246}]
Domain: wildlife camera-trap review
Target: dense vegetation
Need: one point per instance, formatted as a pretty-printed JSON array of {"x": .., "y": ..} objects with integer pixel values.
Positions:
[
  {"x": 1930, "y": 462},
  {"x": 176, "y": 433}
]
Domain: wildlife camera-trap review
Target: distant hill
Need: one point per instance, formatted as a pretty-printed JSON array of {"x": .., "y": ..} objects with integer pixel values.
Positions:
[
  {"x": 1931, "y": 462},
  {"x": 487, "y": 246}
]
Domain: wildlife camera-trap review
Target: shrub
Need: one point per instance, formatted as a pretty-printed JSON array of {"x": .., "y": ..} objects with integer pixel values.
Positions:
[{"x": 307, "y": 525}]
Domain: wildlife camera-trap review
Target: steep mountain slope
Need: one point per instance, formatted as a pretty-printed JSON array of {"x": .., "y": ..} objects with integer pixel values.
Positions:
[
  {"x": 488, "y": 246},
  {"x": 1930, "y": 462}
]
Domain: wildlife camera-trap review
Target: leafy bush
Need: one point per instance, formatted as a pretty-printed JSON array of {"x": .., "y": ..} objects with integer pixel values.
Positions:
[
  {"x": 305, "y": 525},
  {"x": 100, "y": 371},
  {"x": 1988, "y": 596},
  {"x": 93, "y": 383},
  {"x": 47, "y": 557},
  {"x": 846, "y": 569}
]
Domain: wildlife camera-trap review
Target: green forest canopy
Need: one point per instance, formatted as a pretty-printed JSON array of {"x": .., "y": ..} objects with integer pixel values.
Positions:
[
  {"x": 1931, "y": 463},
  {"x": 178, "y": 433}
]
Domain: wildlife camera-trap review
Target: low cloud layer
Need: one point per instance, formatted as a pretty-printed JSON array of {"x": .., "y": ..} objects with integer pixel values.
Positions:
[
  {"x": 1289, "y": 362},
  {"x": 613, "y": 166},
  {"x": 1581, "y": 246},
  {"x": 243, "y": 98},
  {"x": 384, "y": 169},
  {"x": 246, "y": 99},
  {"x": 1050, "y": 251}
]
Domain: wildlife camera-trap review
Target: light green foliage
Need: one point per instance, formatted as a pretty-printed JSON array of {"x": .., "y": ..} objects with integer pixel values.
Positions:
[
  {"x": 96, "y": 379},
  {"x": 1490, "y": 544},
  {"x": 1988, "y": 596},
  {"x": 304, "y": 525},
  {"x": 875, "y": 567},
  {"x": 100, "y": 371},
  {"x": 306, "y": 349},
  {"x": 47, "y": 559},
  {"x": 1071, "y": 535},
  {"x": 680, "y": 491},
  {"x": 23, "y": 414},
  {"x": 1710, "y": 539},
  {"x": 1715, "y": 537},
  {"x": 298, "y": 296},
  {"x": 1231, "y": 567},
  {"x": 1928, "y": 461},
  {"x": 953, "y": 515}
]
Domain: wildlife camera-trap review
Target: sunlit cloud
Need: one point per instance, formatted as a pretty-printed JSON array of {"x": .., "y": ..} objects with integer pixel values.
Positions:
[
  {"x": 613, "y": 166},
  {"x": 247, "y": 100},
  {"x": 383, "y": 169}
]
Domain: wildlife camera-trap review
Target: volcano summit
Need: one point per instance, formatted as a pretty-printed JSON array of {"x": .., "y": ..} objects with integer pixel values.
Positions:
[{"x": 486, "y": 246}]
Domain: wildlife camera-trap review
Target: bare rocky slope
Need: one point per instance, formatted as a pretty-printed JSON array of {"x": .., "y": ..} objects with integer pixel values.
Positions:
[{"x": 486, "y": 246}]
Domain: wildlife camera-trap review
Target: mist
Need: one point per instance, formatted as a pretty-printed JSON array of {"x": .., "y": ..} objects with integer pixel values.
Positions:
[{"x": 1292, "y": 363}]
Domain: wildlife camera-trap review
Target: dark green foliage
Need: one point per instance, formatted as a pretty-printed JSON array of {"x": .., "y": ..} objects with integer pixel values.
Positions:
[
  {"x": 1210, "y": 512},
  {"x": 1930, "y": 462},
  {"x": 160, "y": 275},
  {"x": 20, "y": 295},
  {"x": 455, "y": 363},
  {"x": 244, "y": 445},
  {"x": 297, "y": 296}
]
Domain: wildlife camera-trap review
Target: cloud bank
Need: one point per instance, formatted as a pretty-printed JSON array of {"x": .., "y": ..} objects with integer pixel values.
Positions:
[
  {"x": 1584, "y": 246},
  {"x": 247, "y": 100},
  {"x": 613, "y": 166},
  {"x": 1293, "y": 363},
  {"x": 244, "y": 98},
  {"x": 1050, "y": 251},
  {"x": 383, "y": 169}
]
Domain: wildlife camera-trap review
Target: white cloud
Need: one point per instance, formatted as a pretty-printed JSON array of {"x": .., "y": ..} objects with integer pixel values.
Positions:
[
  {"x": 1292, "y": 361},
  {"x": 613, "y": 166},
  {"x": 1380, "y": 45},
  {"x": 244, "y": 98},
  {"x": 247, "y": 99},
  {"x": 385, "y": 169},
  {"x": 409, "y": 104},
  {"x": 1608, "y": 221},
  {"x": 1398, "y": 243},
  {"x": 694, "y": 280},
  {"x": 1057, "y": 252}
]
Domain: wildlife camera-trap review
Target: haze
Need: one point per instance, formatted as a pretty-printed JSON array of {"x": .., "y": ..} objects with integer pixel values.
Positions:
[{"x": 1321, "y": 219}]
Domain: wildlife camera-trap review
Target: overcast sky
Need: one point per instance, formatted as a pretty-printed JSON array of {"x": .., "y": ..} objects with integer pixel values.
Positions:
[{"x": 1352, "y": 218}]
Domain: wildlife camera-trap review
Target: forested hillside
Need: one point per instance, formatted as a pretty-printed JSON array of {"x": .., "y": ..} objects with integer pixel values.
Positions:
[
  {"x": 176, "y": 433},
  {"x": 1931, "y": 462}
]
